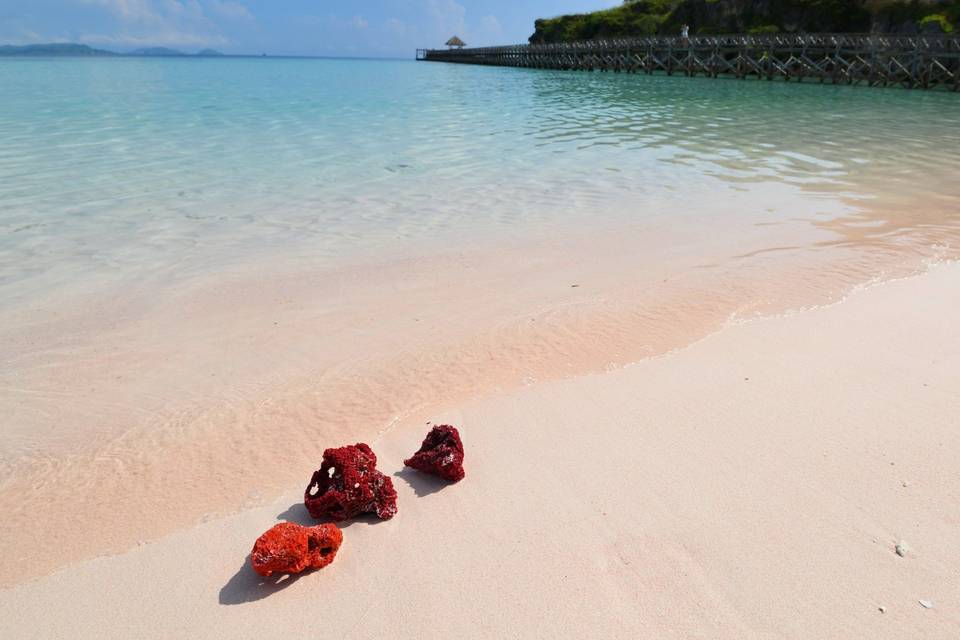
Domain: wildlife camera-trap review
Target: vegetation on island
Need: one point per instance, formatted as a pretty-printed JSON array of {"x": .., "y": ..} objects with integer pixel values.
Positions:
[{"x": 650, "y": 17}]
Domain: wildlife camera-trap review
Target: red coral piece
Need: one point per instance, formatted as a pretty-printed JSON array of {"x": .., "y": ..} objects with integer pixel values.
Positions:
[
  {"x": 291, "y": 548},
  {"x": 348, "y": 484},
  {"x": 441, "y": 453}
]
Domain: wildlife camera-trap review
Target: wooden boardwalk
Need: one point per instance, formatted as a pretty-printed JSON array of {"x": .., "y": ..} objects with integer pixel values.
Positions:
[{"x": 913, "y": 62}]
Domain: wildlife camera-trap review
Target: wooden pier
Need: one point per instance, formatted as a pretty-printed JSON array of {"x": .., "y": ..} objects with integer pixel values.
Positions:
[{"x": 912, "y": 62}]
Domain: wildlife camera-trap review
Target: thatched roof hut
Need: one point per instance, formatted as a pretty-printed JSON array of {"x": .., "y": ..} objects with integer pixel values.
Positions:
[{"x": 456, "y": 42}]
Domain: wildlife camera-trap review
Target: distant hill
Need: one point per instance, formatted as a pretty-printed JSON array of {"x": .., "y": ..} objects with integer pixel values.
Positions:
[
  {"x": 56, "y": 49},
  {"x": 163, "y": 52},
  {"x": 649, "y": 17},
  {"x": 157, "y": 51},
  {"x": 82, "y": 50}
]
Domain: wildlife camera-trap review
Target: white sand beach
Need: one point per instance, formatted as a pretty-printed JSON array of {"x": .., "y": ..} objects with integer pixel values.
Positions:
[
  {"x": 699, "y": 335},
  {"x": 751, "y": 485}
]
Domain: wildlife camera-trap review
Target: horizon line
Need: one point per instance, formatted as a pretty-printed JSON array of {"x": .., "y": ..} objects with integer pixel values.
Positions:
[{"x": 182, "y": 54}]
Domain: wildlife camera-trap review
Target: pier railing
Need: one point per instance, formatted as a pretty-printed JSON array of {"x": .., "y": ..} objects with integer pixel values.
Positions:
[{"x": 918, "y": 61}]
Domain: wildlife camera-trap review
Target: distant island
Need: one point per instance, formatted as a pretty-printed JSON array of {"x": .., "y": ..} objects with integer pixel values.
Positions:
[
  {"x": 53, "y": 50},
  {"x": 158, "y": 52},
  {"x": 651, "y": 17},
  {"x": 82, "y": 50}
]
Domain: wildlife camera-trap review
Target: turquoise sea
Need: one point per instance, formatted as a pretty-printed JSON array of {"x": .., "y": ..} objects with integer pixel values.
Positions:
[
  {"x": 115, "y": 171},
  {"x": 213, "y": 269}
]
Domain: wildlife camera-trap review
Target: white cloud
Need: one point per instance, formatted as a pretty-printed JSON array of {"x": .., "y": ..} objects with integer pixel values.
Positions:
[
  {"x": 166, "y": 39},
  {"x": 397, "y": 27},
  {"x": 134, "y": 10},
  {"x": 168, "y": 22},
  {"x": 231, "y": 10},
  {"x": 449, "y": 16},
  {"x": 26, "y": 36},
  {"x": 491, "y": 25}
]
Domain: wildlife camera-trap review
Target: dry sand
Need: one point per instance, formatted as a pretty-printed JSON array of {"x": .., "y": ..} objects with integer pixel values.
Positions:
[{"x": 752, "y": 485}]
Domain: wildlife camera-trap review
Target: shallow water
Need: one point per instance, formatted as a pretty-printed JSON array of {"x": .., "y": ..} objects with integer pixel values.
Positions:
[
  {"x": 204, "y": 261},
  {"x": 118, "y": 170}
]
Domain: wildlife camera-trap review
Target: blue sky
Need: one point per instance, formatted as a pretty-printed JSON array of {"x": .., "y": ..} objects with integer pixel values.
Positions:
[{"x": 298, "y": 27}]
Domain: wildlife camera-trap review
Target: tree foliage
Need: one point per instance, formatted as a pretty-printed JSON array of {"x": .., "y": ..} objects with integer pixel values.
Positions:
[{"x": 649, "y": 17}]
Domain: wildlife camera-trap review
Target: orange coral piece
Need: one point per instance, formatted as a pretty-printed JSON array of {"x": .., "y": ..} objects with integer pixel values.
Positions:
[{"x": 292, "y": 548}]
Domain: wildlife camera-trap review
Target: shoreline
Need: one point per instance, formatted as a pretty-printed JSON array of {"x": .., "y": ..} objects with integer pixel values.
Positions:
[
  {"x": 575, "y": 307},
  {"x": 662, "y": 503}
]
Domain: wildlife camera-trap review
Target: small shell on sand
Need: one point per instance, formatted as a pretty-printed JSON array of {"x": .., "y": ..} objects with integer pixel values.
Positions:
[
  {"x": 901, "y": 549},
  {"x": 926, "y": 604}
]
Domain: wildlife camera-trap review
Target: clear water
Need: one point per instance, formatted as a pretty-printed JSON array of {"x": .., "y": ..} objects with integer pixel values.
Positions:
[
  {"x": 204, "y": 260},
  {"x": 114, "y": 171}
]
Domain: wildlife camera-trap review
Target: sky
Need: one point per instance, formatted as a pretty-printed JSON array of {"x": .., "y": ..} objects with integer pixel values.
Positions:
[{"x": 388, "y": 28}]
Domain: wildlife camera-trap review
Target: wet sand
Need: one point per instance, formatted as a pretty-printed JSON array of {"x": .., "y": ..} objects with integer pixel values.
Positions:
[
  {"x": 751, "y": 485},
  {"x": 138, "y": 413}
]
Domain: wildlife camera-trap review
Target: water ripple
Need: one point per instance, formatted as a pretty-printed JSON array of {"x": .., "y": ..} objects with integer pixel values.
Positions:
[{"x": 113, "y": 164}]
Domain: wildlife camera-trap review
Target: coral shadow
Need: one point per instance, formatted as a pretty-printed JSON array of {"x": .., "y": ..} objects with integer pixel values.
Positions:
[
  {"x": 423, "y": 484},
  {"x": 298, "y": 513},
  {"x": 247, "y": 586}
]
